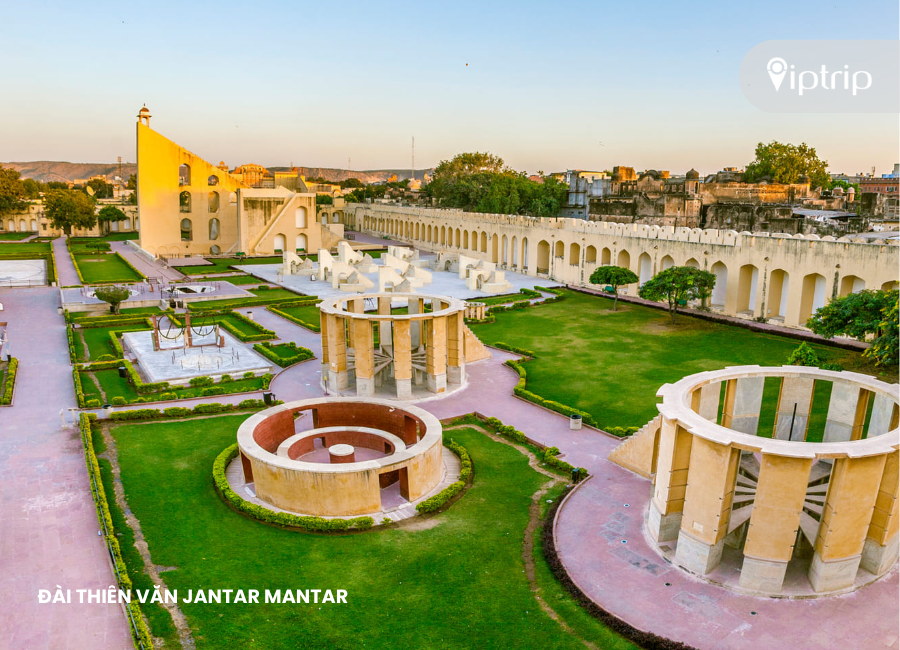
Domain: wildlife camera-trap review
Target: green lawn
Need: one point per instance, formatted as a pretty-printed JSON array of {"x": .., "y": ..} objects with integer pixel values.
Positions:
[
  {"x": 29, "y": 247},
  {"x": 247, "y": 329},
  {"x": 223, "y": 264},
  {"x": 308, "y": 314},
  {"x": 77, "y": 316},
  {"x": 105, "y": 267},
  {"x": 612, "y": 363},
  {"x": 261, "y": 297},
  {"x": 234, "y": 279},
  {"x": 115, "y": 386},
  {"x": 98, "y": 341},
  {"x": 457, "y": 584},
  {"x": 15, "y": 236}
]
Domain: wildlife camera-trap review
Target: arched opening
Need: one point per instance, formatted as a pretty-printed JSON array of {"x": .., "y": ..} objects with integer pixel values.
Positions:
[
  {"x": 666, "y": 263},
  {"x": 336, "y": 217},
  {"x": 495, "y": 249},
  {"x": 300, "y": 243},
  {"x": 186, "y": 226},
  {"x": 279, "y": 243},
  {"x": 34, "y": 225},
  {"x": 212, "y": 202},
  {"x": 184, "y": 174},
  {"x": 11, "y": 225},
  {"x": 891, "y": 285},
  {"x": 514, "y": 252},
  {"x": 559, "y": 250},
  {"x": 484, "y": 242},
  {"x": 525, "y": 253},
  {"x": 213, "y": 229},
  {"x": 465, "y": 239},
  {"x": 718, "y": 295},
  {"x": 417, "y": 231},
  {"x": 127, "y": 223},
  {"x": 232, "y": 197},
  {"x": 212, "y": 180},
  {"x": 428, "y": 238},
  {"x": 778, "y": 294},
  {"x": 574, "y": 254},
  {"x": 605, "y": 257},
  {"x": 113, "y": 225},
  {"x": 474, "y": 241},
  {"x": 851, "y": 284},
  {"x": 22, "y": 227},
  {"x": 137, "y": 223},
  {"x": 443, "y": 235},
  {"x": 692, "y": 263},
  {"x": 812, "y": 296},
  {"x": 590, "y": 255},
  {"x": 184, "y": 202},
  {"x": 504, "y": 250},
  {"x": 300, "y": 218},
  {"x": 543, "y": 257},
  {"x": 747, "y": 281},
  {"x": 645, "y": 268},
  {"x": 624, "y": 259},
  {"x": 215, "y": 249},
  {"x": 457, "y": 242}
]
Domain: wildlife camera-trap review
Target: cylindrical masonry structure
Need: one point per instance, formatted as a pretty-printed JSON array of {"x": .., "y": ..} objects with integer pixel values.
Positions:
[{"x": 784, "y": 468}]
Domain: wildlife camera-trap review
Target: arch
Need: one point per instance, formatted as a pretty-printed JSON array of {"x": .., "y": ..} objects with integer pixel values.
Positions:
[
  {"x": 590, "y": 255},
  {"x": 574, "y": 254},
  {"x": 484, "y": 242},
  {"x": 645, "y": 268},
  {"x": 34, "y": 225},
  {"x": 559, "y": 250},
  {"x": 693, "y": 263},
  {"x": 474, "y": 241},
  {"x": 336, "y": 217},
  {"x": 457, "y": 238},
  {"x": 232, "y": 197},
  {"x": 605, "y": 257},
  {"x": 747, "y": 281},
  {"x": 778, "y": 293},
  {"x": 624, "y": 259},
  {"x": 300, "y": 218},
  {"x": 443, "y": 235},
  {"x": 11, "y": 225},
  {"x": 215, "y": 249},
  {"x": 212, "y": 202},
  {"x": 851, "y": 284},
  {"x": 113, "y": 225},
  {"x": 186, "y": 230},
  {"x": 127, "y": 223},
  {"x": 890, "y": 285},
  {"x": 184, "y": 202},
  {"x": 495, "y": 249},
  {"x": 543, "y": 257},
  {"x": 465, "y": 239},
  {"x": 213, "y": 229},
  {"x": 300, "y": 243},
  {"x": 212, "y": 180},
  {"x": 137, "y": 223},
  {"x": 504, "y": 250},
  {"x": 718, "y": 295},
  {"x": 428, "y": 238},
  {"x": 184, "y": 174},
  {"x": 524, "y": 252},
  {"x": 417, "y": 231},
  {"x": 279, "y": 243},
  {"x": 514, "y": 251},
  {"x": 812, "y": 296},
  {"x": 666, "y": 263}
]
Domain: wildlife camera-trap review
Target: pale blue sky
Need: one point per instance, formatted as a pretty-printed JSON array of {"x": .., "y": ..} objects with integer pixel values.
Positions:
[{"x": 272, "y": 83}]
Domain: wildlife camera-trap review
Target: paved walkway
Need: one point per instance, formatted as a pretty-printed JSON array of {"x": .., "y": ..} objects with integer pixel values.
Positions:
[
  {"x": 48, "y": 524},
  {"x": 66, "y": 274},
  {"x": 151, "y": 270}
]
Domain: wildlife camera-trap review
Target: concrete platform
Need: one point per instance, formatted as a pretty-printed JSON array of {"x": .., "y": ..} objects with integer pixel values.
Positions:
[{"x": 23, "y": 273}]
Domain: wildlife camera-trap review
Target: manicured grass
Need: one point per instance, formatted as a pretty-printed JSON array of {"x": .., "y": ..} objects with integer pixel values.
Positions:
[
  {"x": 98, "y": 341},
  {"x": 10, "y": 249},
  {"x": 222, "y": 264},
  {"x": 105, "y": 267},
  {"x": 14, "y": 236},
  {"x": 115, "y": 386},
  {"x": 308, "y": 314},
  {"x": 459, "y": 583},
  {"x": 247, "y": 329},
  {"x": 77, "y": 316},
  {"x": 612, "y": 363},
  {"x": 234, "y": 279},
  {"x": 261, "y": 297}
]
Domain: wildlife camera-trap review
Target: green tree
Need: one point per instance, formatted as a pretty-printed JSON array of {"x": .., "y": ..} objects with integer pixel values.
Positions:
[
  {"x": 12, "y": 191},
  {"x": 109, "y": 213},
  {"x": 803, "y": 355},
  {"x": 677, "y": 285},
  {"x": 68, "y": 209},
  {"x": 324, "y": 199},
  {"x": 352, "y": 183},
  {"x": 32, "y": 188},
  {"x": 846, "y": 185},
  {"x": 860, "y": 315},
  {"x": 114, "y": 296},
  {"x": 614, "y": 276},
  {"x": 785, "y": 163},
  {"x": 101, "y": 189},
  {"x": 132, "y": 182}
]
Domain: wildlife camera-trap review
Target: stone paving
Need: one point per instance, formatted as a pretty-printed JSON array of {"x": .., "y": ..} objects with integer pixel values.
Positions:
[
  {"x": 151, "y": 270},
  {"x": 66, "y": 274},
  {"x": 48, "y": 523}
]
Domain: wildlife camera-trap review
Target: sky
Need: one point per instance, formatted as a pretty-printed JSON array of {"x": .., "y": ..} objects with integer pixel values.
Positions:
[{"x": 546, "y": 86}]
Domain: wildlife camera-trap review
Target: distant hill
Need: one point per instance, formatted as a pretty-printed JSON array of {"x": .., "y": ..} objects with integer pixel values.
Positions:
[{"x": 47, "y": 170}]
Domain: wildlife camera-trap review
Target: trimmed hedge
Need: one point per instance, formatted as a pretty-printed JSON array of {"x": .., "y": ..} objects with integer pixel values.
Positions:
[
  {"x": 139, "y": 630},
  {"x": 547, "y": 454},
  {"x": 9, "y": 383},
  {"x": 183, "y": 411},
  {"x": 521, "y": 391},
  {"x": 79, "y": 391},
  {"x": 262, "y": 334},
  {"x": 315, "y": 327},
  {"x": 240, "y": 303},
  {"x": 286, "y": 519},
  {"x": 303, "y": 354},
  {"x": 114, "y": 321},
  {"x": 441, "y": 499}
]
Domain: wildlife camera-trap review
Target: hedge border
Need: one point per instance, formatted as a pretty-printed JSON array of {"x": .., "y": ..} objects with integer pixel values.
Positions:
[
  {"x": 9, "y": 384},
  {"x": 236, "y": 303},
  {"x": 296, "y": 303},
  {"x": 264, "y": 334},
  {"x": 280, "y": 519},
  {"x": 209, "y": 408},
  {"x": 139, "y": 632},
  {"x": 442, "y": 498},
  {"x": 265, "y": 349},
  {"x": 141, "y": 276}
]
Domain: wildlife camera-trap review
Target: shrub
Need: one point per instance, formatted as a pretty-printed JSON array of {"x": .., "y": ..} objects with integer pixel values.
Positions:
[
  {"x": 213, "y": 390},
  {"x": 548, "y": 454},
  {"x": 224, "y": 379},
  {"x": 92, "y": 404},
  {"x": 441, "y": 499},
  {"x": 249, "y": 374},
  {"x": 176, "y": 411},
  {"x": 105, "y": 357},
  {"x": 118, "y": 400},
  {"x": 136, "y": 414},
  {"x": 268, "y": 351},
  {"x": 836, "y": 367},
  {"x": 201, "y": 381},
  {"x": 803, "y": 355},
  {"x": 9, "y": 384},
  {"x": 168, "y": 396}
]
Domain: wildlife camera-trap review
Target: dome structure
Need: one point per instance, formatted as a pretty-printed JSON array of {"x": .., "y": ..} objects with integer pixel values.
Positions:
[{"x": 692, "y": 175}]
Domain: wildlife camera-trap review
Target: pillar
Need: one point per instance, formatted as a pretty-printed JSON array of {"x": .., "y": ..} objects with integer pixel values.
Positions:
[
  {"x": 707, "y": 505},
  {"x": 363, "y": 344},
  {"x": 456, "y": 349},
  {"x": 323, "y": 332},
  {"x": 337, "y": 353},
  {"x": 436, "y": 354},
  {"x": 848, "y": 511},
  {"x": 884, "y": 416},
  {"x": 794, "y": 391},
  {"x": 743, "y": 398},
  {"x": 705, "y": 401},
  {"x": 384, "y": 326},
  {"x": 846, "y": 412},
  {"x": 415, "y": 306},
  {"x": 402, "y": 359},
  {"x": 880, "y": 549},
  {"x": 774, "y": 521},
  {"x": 667, "y": 503}
]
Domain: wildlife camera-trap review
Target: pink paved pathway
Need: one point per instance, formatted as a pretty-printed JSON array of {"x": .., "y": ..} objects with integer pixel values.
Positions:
[
  {"x": 151, "y": 270},
  {"x": 48, "y": 524},
  {"x": 66, "y": 274}
]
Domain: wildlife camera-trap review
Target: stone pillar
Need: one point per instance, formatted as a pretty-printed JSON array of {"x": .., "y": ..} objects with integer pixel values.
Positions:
[
  {"x": 354, "y": 306},
  {"x": 707, "y": 505},
  {"x": 774, "y": 521},
  {"x": 415, "y": 306},
  {"x": 337, "y": 353},
  {"x": 884, "y": 416},
  {"x": 402, "y": 359},
  {"x": 323, "y": 327},
  {"x": 456, "y": 352},
  {"x": 846, "y": 412},
  {"x": 794, "y": 391},
  {"x": 881, "y": 546},
  {"x": 743, "y": 398},
  {"x": 384, "y": 326},
  {"x": 705, "y": 401},
  {"x": 363, "y": 343},
  {"x": 672, "y": 463},
  {"x": 845, "y": 521},
  {"x": 436, "y": 354}
]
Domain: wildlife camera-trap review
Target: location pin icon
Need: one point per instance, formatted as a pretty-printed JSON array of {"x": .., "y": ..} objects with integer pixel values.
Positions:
[{"x": 777, "y": 68}]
